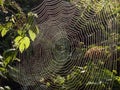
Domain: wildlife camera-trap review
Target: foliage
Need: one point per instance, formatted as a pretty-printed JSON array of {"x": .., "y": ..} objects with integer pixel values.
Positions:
[
  {"x": 76, "y": 77},
  {"x": 17, "y": 31}
]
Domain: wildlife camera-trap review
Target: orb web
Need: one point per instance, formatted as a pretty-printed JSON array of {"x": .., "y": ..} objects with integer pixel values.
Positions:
[{"x": 72, "y": 34}]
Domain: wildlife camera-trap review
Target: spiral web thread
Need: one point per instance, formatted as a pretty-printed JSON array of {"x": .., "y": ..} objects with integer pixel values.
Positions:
[{"x": 67, "y": 33}]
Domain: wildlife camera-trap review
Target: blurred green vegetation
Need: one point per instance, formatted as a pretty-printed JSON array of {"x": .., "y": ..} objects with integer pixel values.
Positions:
[{"x": 17, "y": 31}]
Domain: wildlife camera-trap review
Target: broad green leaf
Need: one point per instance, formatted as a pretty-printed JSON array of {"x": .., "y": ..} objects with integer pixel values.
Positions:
[
  {"x": 26, "y": 42},
  {"x": 32, "y": 35},
  {"x": 3, "y": 32},
  {"x": 17, "y": 40},
  {"x": 22, "y": 47}
]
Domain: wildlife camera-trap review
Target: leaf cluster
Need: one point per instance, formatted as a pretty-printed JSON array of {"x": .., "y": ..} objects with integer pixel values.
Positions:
[{"x": 17, "y": 31}]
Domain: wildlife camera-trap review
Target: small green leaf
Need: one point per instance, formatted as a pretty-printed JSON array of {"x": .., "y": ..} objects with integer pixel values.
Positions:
[
  {"x": 2, "y": 69},
  {"x": 17, "y": 40},
  {"x": 32, "y": 35},
  {"x": 26, "y": 42},
  {"x": 9, "y": 56},
  {"x": 22, "y": 47},
  {"x": 9, "y": 25},
  {"x": 7, "y": 60},
  {"x": 19, "y": 32},
  {"x": 3, "y": 32}
]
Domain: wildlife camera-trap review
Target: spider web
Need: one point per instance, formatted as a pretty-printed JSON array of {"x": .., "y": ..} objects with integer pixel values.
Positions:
[{"x": 72, "y": 34}]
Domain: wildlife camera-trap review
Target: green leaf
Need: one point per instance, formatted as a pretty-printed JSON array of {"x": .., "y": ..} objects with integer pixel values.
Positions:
[
  {"x": 22, "y": 47},
  {"x": 1, "y": 2},
  {"x": 9, "y": 56},
  {"x": 3, "y": 32},
  {"x": 19, "y": 32},
  {"x": 17, "y": 40},
  {"x": 7, "y": 60},
  {"x": 9, "y": 25},
  {"x": 2, "y": 69},
  {"x": 24, "y": 44},
  {"x": 32, "y": 35}
]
